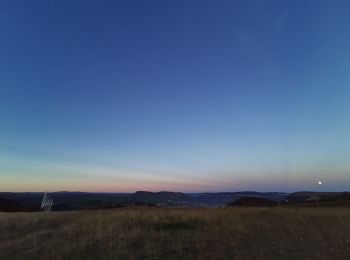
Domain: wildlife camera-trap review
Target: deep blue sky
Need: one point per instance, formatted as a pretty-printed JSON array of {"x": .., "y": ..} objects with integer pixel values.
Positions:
[{"x": 174, "y": 95}]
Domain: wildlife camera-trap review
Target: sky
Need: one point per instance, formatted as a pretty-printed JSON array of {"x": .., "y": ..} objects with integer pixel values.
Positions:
[{"x": 192, "y": 96}]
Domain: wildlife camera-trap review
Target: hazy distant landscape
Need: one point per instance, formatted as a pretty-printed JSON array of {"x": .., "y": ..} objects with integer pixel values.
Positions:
[{"x": 63, "y": 201}]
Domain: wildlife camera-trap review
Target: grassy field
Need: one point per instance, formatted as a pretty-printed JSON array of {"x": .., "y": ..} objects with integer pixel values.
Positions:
[{"x": 222, "y": 233}]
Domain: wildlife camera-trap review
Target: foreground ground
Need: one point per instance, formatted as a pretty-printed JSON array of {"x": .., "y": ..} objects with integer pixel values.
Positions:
[{"x": 223, "y": 233}]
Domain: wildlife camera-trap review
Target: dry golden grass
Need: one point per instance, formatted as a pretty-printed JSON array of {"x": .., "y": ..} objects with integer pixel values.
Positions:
[{"x": 224, "y": 233}]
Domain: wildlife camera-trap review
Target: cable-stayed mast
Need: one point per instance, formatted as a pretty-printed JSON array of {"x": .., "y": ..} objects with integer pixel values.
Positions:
[{"x": 47, "y": 203}]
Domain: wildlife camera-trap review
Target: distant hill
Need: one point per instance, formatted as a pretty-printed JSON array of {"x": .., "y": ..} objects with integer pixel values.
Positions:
[
  {"x": 26, "y": 199},
  {"x": 7, "y": 205},
  {"x": 65, "y": 200},
  {"x": 222, "y": 198},
  {"x": 252, "y": 202},
  {"x": 30, "y": 201},
  {"x": 162, "y": 197},
  {"x": 305, "y": 196}
]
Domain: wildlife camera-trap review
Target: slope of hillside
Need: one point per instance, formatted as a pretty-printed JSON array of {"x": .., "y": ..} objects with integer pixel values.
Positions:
[
  {"x": 7, "y": 205},
  {"x": 222, "y": 198},
  {"x": 305, "y": 196},
  {"x": 252, "y": 202},
  {"x": 155, "y": 233},
  {"x": 162, "y": 197}
]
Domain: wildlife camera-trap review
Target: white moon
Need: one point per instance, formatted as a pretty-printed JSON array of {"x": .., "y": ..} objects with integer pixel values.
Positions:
[{"x": 320, "y": 182}]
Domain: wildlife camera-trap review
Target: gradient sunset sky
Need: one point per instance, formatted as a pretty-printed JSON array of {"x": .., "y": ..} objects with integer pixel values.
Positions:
[{"x": 181, "y": 95}]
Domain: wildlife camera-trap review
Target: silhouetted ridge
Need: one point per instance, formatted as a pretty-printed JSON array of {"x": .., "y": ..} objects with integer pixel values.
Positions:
[
  {"x": 7, "y": 205},
  {"x": 159, "y": 197},
  {"x": 305, "y": 196},
  {"x": 253, "y": 202}
]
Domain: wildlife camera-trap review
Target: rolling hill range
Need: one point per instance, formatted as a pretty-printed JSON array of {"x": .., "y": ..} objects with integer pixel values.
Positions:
[{"x": 85, "y": 200}]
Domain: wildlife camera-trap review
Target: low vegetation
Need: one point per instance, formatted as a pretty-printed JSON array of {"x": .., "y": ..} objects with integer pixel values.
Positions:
[{"x": 160, "y": 233}]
